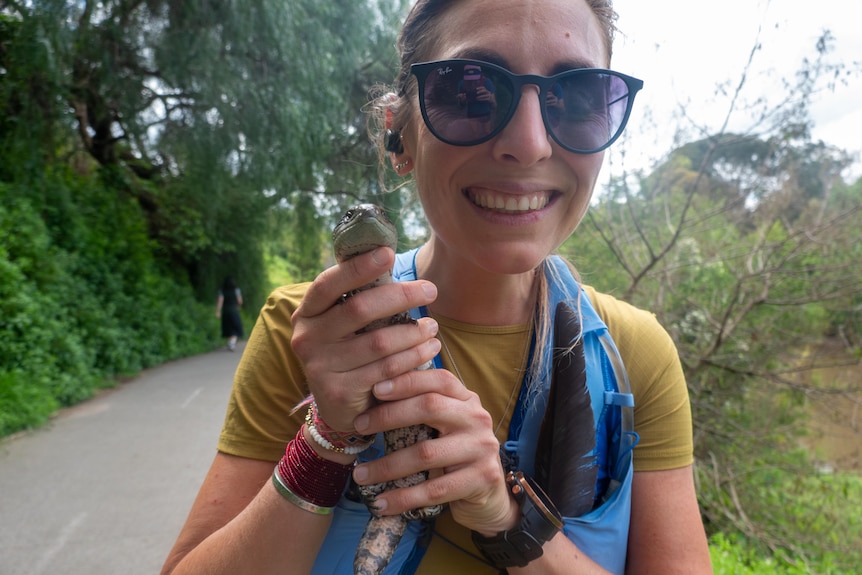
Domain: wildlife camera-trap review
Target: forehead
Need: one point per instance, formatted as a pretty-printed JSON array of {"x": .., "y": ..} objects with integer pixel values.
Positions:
[{"x": 526, "y": 36}]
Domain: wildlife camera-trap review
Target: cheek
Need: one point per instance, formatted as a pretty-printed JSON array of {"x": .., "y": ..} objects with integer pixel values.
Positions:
[
  {"x": 587, "y": 166},
  {"x": 435, "y": 163},
  {"x": 585, "y": 171}
]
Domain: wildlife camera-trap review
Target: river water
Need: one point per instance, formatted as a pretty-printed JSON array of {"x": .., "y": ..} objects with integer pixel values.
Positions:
[{"x": 835, "y": 433}]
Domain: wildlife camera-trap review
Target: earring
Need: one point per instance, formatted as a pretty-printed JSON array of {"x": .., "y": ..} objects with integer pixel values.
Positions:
[
  {"x": 392, "y": 141},
  {"x": 401, "y": 165}
]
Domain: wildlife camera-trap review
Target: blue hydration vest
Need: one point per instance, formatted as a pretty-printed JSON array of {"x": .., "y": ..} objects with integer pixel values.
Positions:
[{"x": 602, "y": 534}]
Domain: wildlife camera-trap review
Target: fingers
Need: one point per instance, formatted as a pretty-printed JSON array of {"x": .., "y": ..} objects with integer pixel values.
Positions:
[
  {"x": 321, "y": 319},
  {"x": 341, "y": 374},
  {"x": 373, "y": 356},
  {"x": 416, "y": 383},
  {"x": 433, "y": 397},
  {"x": 471, "y": 473},
  {"x": 333, "y": 282},
  {"x": 464, "y": 460},
  {"x": 340, "y": 365},
  {"x": 328, "y": 288},
  {"x": 383, "y": 302}
]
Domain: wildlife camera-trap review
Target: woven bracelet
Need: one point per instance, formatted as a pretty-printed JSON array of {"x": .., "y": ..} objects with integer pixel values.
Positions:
[{"x": 332, "y": 440}]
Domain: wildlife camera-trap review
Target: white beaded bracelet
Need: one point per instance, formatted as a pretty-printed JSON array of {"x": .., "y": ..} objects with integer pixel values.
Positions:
[
  {"x": 318, "y": 438},
  {"x": 326, "y": 444}
]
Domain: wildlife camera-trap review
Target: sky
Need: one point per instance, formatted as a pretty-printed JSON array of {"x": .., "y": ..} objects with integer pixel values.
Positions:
[{"x": 684, "y": 49}]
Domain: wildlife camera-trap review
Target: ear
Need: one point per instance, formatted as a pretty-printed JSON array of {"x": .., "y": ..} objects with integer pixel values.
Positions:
[
  {"x": 402, "y": 167},
  {"x": 390, "y": 101},
  {"x": 392, "y": 141}
]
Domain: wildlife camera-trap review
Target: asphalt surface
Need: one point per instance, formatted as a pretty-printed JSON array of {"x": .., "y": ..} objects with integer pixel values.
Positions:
[{"x": 105, "y": 487}]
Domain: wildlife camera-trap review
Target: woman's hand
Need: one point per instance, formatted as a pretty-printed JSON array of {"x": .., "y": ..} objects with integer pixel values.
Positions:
[
  {"x": 464, "y": 460},
  {"x": 485, "y": 95},
  {"x": 342, "y": 366}
]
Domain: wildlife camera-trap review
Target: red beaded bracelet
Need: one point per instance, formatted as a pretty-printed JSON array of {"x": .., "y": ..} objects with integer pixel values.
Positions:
[{"x": 309, "y": 477}]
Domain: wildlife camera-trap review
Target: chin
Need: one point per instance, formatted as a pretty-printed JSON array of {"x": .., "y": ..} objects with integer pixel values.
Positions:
[{"x": 508, "y": 259}]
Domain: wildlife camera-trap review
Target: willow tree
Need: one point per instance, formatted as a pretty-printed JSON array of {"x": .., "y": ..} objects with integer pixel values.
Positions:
[{"x": 208, "y": 113}]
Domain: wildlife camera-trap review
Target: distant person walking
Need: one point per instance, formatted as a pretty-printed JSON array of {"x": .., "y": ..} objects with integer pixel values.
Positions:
[{"x": 227, "y": 308}]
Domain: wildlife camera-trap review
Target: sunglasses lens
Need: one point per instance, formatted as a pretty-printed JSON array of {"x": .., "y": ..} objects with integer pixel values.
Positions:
[
  {"x": 465, "y": 104},
  {"x": 586, "y": 110}
]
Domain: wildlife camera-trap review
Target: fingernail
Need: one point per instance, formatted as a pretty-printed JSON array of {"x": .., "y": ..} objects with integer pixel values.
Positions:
[
  {"x": 431, "y": 327},
  {"x": 360, "y": 473},
  {"x": 379, "y": 506},
  {"x": 434, "y": 346},
  {"x": 378, "y": 256},
  {"x": 383, "y": 388},
  {"x": 361, "y": 422},
  {"x": 430, "y": 290}
]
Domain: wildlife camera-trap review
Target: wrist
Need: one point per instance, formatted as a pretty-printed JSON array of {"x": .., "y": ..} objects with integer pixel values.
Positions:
[
  {"x": 332, "y": 440},
  {"x": 508, "y": 520},
  {"x": 328, "y": 454},
  {"x": 539, "y": 522},
  {"x": 306, "y": 479}
]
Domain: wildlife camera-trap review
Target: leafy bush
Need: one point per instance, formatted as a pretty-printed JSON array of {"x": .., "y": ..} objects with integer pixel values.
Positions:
[
  {"x": 733, "y": 555},
  {"x": 802, "y": 523},
  {"x": 23, "y": 404},
  {"x": 82, "y": 298}
]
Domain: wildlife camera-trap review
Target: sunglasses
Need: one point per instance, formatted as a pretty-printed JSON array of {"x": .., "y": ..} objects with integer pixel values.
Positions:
[{"x": 584, "y": 110}]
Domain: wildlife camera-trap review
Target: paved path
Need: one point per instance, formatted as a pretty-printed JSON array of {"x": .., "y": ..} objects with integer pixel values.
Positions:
[{"x": 104, "y": 488}]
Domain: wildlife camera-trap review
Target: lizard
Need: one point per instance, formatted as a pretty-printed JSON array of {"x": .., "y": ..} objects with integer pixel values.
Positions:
[{"x": 362, "y": 228}]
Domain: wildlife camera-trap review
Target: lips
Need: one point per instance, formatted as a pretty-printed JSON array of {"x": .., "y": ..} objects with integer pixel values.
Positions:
[{"x": 508, "y": 203}]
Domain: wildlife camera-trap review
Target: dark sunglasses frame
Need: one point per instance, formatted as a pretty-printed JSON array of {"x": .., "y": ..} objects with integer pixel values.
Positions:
[{"x": 423, "y": 69}]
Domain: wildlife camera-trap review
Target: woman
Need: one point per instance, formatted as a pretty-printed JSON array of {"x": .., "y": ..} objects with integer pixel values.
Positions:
[
  {"x": 227, "y": 309},
  {"x": 498, "y": 205}
]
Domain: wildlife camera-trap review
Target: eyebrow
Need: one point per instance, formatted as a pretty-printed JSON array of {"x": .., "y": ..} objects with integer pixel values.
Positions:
[
  {"x": 484, "y": 56},
  {"x": 572, "y": 65},
  {"x": 494, "y": 58}
]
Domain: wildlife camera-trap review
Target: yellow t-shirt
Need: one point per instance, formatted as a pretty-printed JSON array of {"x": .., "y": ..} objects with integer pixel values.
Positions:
[{"x": 490, "y": 360}]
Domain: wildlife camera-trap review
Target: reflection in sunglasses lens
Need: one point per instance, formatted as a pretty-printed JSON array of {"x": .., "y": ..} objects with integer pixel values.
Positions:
[{"x": 467, "y": 103}]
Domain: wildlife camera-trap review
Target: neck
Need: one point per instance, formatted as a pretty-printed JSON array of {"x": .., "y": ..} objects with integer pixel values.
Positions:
[{"x": 474, "y": 295}]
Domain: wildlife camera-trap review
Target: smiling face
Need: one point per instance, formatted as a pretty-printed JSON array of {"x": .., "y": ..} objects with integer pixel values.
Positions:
[{"x": 504, "y": 205}]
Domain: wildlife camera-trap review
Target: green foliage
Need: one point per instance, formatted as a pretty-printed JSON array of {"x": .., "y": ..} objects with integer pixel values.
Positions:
[
  {"x": 822, "y": 507},
  {"x": 308, "y": 239},
  {"x": 744, "y": 249},
  {"x": 783, "y": 515},
  {"x": 28, "y": 88},
  {"x": 732, "y": 555},
  {"x": 81, "y": 297},
  {"x": 23, "y": 404},
  {"x": 148, "y": 149},
  {"x": 206, "y": 114}
]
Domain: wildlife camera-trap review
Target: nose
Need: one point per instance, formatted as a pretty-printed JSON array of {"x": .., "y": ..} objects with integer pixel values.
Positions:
[{"x": 525, "y": 138}]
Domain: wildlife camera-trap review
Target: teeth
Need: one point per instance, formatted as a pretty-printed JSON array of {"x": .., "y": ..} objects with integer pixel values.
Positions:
[{"x": 511, "y": 204}]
